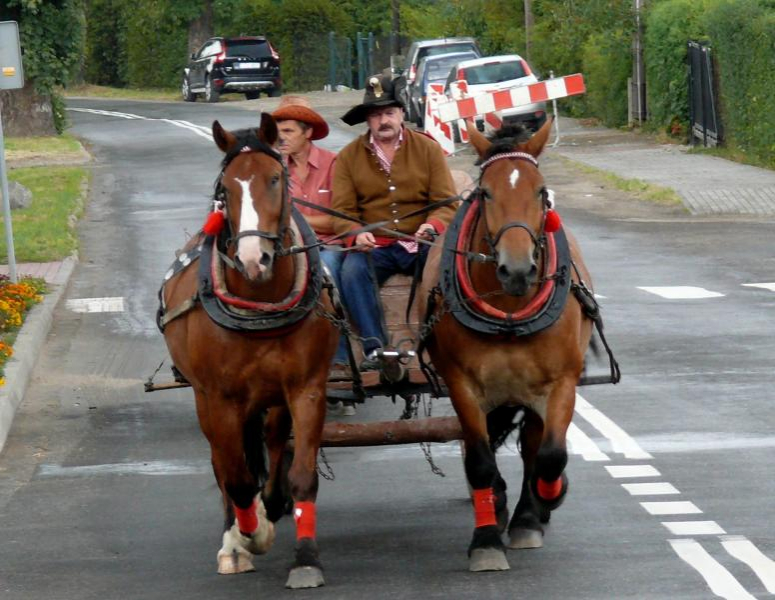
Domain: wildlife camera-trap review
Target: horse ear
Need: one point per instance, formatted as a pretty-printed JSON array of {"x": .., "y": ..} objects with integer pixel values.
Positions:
[
  {"x": 223, "y": 139},
  {"x": 536, "y": 144},
  {"x": 478, "y": 141},
  {"x": 268, "y": 129}
]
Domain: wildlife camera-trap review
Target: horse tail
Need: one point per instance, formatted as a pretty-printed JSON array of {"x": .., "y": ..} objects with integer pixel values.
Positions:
[
  {"x": 501, "y": 422},
  {"x": 255, "y": 447}
]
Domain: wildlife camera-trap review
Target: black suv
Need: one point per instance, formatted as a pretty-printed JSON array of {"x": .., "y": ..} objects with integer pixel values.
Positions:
[{"x": 243, "y": 65}]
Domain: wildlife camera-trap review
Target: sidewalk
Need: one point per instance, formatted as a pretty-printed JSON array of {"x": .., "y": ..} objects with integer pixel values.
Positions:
[
  {"x": 32, "y": 336},
  {"x": 707, "y": 185}
]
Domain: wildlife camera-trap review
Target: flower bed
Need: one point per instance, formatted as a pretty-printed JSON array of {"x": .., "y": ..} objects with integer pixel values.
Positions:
[{"x": 16, "y": 299}]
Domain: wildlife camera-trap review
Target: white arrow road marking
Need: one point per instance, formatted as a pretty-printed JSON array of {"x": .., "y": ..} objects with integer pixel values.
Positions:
[
  {"x": 681, "y": 292},
  {"x": 764, "y": 286},
  {"x": 720, "y": 581},
  {"x": 197, "y": 129},
  {"x": 621, "y": 442},
  {"x": 744, "y": 551},
  {"x": 581, "y": 443}
]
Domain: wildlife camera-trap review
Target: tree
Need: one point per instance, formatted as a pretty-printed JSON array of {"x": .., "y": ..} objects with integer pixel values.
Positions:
[{"x": 52, "y": 41}]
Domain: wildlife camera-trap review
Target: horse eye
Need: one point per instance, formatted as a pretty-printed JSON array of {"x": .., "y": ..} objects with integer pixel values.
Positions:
[{"x": 275, "y": 179}]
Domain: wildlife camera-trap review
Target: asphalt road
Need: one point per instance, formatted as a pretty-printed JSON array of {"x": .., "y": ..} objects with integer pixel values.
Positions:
[{"x": 106, "y": 492}]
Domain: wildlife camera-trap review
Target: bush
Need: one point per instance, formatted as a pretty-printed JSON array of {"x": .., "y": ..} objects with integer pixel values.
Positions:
[
  {"x": 742, "y": 33},
  {"x": 670, "y": 25},
  {"x": 607, "y": 66}
]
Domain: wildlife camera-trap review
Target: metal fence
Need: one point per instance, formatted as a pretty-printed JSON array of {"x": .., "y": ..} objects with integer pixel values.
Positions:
[
  {"x": 703, "y": 116},
  {"x": 317, "y": 61}
]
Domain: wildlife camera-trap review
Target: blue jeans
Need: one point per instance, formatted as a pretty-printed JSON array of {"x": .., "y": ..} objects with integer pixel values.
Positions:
[
  {"x": 362, "y": 274},
  {"x": 333, "y": 261}
]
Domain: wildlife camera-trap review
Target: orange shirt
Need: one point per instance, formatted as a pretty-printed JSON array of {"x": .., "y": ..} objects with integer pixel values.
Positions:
[{"x": 316, "y": 188}]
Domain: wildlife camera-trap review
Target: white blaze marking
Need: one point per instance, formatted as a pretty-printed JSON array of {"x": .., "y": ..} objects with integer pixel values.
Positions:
[
  {"x": 720, "y": 581},
  {"x": 693, "y": 527},
  {"x": 96, "y": 305},
  {"x": 580, "y": 443},
  {"x": 622, "y": 471},
  {"x": 513, "y": 178},
  {"x": 681, "y": 292},
  {"x": 620, "y": 441},
  {"x": 671, "y": 508},
  {"x": 248, "y": 247},
  {"x": 744, "y": 551},
  {"x": 650, "y": 489}
]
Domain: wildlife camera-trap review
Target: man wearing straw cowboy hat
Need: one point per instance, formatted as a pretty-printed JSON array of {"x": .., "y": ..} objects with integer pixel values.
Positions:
[
  {"x": 311, "y": 170},
  {"x": 388, "y": 172}
]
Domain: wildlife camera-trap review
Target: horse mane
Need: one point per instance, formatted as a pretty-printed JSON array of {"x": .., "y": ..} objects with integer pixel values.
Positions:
[{"x": 506, "y": 139}]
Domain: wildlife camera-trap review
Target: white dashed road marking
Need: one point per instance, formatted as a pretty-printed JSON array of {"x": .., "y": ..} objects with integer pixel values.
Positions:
[
  {"x": 96, "y": 305},
  {"x": 650, "y": 489},
  {"x": 624, "y": 471},
  {"x": 744, "y": 551},
  {"x": 671, "y": 508},
  {"x": 681, "y": 292},
  {"x": 694, "y": 527}
]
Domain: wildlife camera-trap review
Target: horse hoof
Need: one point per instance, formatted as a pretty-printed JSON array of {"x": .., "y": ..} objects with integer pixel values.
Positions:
[
  {"x": 261, "y": 540},
  {"x": 236, "y": 561},
  {"x": 520, "y": 539},
  {"x": 488, "y": 559},
  {"x": 305, "y": 577}
]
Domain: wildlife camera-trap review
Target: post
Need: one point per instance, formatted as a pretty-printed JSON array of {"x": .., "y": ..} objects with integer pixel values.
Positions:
[
  {"x": 331, "y": 63},
  {"x": 361, "y": 66},
  {"x": 638, "y": 68},
  {"x": 7, "y": 210},
  {"x": 396, "y": 28},
  {"x": 556, "y": 117},
  {"x": 528, "y": 27}
]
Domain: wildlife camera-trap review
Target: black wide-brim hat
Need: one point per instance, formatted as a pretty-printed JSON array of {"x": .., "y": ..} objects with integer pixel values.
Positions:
[{"x": 381, "y": 90}]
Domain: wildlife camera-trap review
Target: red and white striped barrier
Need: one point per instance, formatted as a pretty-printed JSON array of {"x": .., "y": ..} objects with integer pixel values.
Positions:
[
  {"x": 484, "y": 104},
  {"x": 441, "y": 132}
]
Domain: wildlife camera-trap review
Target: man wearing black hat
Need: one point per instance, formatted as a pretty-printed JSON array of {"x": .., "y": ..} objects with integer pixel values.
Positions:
[{"x": 388, "y": 172}]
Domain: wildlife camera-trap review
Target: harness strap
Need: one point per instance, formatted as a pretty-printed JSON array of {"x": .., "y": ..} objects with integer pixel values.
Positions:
[{"x": 184, "y": 307}]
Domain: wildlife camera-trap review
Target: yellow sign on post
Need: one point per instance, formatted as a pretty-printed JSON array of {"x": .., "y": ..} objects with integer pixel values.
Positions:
[{"x": 10, "y": 57}]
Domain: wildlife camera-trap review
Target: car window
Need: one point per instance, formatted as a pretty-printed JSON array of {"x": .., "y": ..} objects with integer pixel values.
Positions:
[
  {"x": 495, "y": 72},
  {"x": 211, "y": 49},
  {"x": 248, "y": 49},
  {"x": 439, "y": 69},
  {"x": 445, "y": 49}
]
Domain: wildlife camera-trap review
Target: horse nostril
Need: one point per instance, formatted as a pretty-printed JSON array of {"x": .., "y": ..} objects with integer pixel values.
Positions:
[
  {"x": 502, "y": 272},
  {"x": 533, "y": 270},
  {"x": 266, "y": 259}
]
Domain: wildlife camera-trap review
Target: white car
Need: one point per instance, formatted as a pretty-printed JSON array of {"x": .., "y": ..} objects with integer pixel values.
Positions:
[{"x": 494, "y": 73}]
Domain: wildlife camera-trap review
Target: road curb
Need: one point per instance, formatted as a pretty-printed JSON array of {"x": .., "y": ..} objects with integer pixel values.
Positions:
[{"x": 27, "y": 348}]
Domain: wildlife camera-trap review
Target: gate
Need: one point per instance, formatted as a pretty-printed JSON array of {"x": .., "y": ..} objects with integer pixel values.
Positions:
[{"x": 703, "y": 116}]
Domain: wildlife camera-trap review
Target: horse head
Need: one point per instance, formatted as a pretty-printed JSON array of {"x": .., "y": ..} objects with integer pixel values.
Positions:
[
  {"x": 253, "y": 188},
  {"x": 513, "y": 203}
]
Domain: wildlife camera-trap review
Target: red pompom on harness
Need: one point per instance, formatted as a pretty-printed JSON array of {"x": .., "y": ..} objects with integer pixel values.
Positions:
[
  {"x": 214, "y": 223},
  {"x": 484, "y": 507},
  {"x": 552, "y": 221},
  {"x": 305, "y": 517},
  {"x": 549, "y": 490},
  {"x": 247, "y": 519}
]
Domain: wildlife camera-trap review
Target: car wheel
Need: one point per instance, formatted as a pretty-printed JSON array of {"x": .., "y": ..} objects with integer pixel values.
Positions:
[
  {"x": 211, "y": 94},
  {"x": 185, "y": 90},
  {"x": 275, "y": 92},
  {"x": 252, "y": 95}
]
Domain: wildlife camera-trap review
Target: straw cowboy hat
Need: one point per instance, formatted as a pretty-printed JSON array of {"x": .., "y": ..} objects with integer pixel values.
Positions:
[
  {"x": 381, "y": 90},
  {"x": 297, "y": 108}
]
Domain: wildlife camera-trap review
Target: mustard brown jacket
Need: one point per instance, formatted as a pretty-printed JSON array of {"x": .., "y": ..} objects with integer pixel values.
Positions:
[{"x": 419, "y": 176}]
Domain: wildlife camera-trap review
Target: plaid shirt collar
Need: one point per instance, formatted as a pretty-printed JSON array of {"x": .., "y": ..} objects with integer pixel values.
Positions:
[{"x": 384, "y": 162}]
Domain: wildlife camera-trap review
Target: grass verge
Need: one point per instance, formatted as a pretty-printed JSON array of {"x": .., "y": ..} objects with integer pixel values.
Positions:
[
  {"x": 61, "y": 147},
  {"x": 45, "y": 231},
  {"x": 16, "y": 299},
  {"x": 100, "y": 91},
  {"x": 636, "y": 187}
]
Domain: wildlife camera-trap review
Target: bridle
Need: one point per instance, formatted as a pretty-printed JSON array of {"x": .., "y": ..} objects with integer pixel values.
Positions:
[
  {"x": 221, "y": 196},
  {"x": 481, "y": 194}
]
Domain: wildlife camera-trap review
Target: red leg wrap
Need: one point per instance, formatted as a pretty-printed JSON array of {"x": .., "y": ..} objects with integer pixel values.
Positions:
[
  {"x": 305, "y": 517},
  {"x": 484, "y": 507},
  {"x": 549, "y": 490},
  {"x": 247, "y": 520}
]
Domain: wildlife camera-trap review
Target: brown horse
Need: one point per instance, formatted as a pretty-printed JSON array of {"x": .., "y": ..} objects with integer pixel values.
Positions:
[
  {"x": 247, "y": 328},
  {"x": 509, "y": 334}
]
